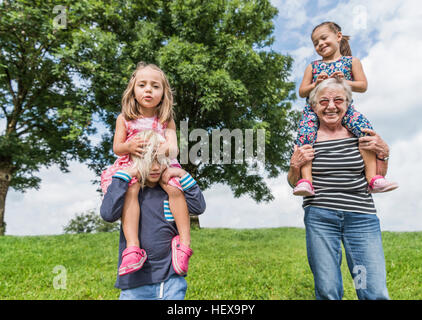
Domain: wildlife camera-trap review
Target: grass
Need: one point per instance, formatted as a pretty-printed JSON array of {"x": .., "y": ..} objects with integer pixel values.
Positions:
[{"x": 227, "y": 264}]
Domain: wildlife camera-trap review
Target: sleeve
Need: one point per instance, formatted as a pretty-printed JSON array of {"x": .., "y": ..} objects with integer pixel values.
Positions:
[
  {"x": 193, "y": 194},
  {"x": 112, "y": 205}
]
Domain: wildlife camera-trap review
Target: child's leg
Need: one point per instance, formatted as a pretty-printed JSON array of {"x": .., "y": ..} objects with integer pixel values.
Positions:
[
  {"x": 354, "y": 121},
  {"x": 179, "y": 209},
  {"x": 307, "y": 131},
  {"x": 306, "y": 171},
  {"x": 130, "y": 215},
  {"x": 370, "y": 161}
]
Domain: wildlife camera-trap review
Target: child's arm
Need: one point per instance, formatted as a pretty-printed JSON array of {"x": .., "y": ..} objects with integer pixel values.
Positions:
[
  {"x": 120, "y": 145},
  {"x": 193, "y": 194},
  {"x": 169, "y": 148},
  {"x": 359, "y": 83},
  {"x": 307, "y": 85}
]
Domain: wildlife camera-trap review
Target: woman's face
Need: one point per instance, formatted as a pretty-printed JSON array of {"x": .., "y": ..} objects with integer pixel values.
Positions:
[{"x": 331, "y": 106}]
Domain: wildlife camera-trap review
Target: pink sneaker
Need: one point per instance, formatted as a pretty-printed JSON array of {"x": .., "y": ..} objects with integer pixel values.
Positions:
[
  {"x": 379, "y": 184},
  {"x": 180, "y": 256},
  {"x": 304, "y": 188},
  {"x": 133, "y": 258}
]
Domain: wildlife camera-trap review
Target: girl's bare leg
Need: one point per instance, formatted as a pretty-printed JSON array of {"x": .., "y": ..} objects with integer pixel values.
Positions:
[
  {"x": 179, "y": 209},
  {"x": 130, "y": 215},
  {"x": 306, "y": 171},
  {"x": 370, "y": 161}
]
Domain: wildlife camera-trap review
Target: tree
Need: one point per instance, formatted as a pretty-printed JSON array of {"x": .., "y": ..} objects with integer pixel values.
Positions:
[
  {"x": 217, "y": 55},
  {"x": 89, "y": 222},
  {"x": 46, "y": 113},
  {"x": 61, "y": 62}
]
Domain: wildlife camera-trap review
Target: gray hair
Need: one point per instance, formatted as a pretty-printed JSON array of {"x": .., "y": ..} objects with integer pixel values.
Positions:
[
  {"x": 144, "y": 164},
  {"x": 330, "y": 83}
]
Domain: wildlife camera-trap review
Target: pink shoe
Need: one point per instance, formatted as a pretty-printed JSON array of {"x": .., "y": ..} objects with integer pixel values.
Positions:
[
  {"x": 133, "y": 258},
  {"x": 379, "y": 184},
  {"x": 304, "y": 188},
  {"x": 180, "y": 256}
]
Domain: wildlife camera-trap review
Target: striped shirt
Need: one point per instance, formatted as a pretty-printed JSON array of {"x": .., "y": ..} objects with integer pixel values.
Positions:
[{"x": 338, "y": 174}]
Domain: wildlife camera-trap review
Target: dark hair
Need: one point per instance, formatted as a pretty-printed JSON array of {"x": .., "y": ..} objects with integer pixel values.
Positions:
[{"x": 344, "y": 42}]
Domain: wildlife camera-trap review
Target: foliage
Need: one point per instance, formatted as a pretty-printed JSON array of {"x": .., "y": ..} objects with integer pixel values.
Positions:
[
  {"x": 90, "y": 222},
  {"x": 218, "y": 57}
]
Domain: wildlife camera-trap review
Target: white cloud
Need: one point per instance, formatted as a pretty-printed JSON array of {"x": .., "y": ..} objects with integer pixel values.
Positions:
[{"x": 47, "y": 210}]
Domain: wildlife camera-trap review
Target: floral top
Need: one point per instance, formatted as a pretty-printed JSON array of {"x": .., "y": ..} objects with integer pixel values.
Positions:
[{"x": 343, "y": 64}]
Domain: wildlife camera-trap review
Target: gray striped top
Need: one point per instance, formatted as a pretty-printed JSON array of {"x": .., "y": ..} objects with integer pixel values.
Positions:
[{"x": 338, "y": 174}]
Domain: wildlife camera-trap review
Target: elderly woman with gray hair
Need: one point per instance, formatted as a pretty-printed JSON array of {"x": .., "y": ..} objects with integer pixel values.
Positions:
[{"x": 342, "y": 210}]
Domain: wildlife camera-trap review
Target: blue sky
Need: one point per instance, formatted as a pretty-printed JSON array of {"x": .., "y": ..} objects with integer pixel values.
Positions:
[{"x": 385, "y": 37}]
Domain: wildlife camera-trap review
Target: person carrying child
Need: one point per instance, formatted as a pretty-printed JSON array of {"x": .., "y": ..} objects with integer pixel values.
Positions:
[
  {"x": 337, "y": 61},
  {"x": 159, "y": 277},
  {"x": 147, "y": 104}
]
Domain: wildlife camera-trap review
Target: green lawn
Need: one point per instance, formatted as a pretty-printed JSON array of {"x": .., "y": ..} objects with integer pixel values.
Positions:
[{"x": 227, "y": 264}]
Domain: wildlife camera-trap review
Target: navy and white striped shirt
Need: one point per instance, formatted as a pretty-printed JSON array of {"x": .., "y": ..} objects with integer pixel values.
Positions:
[{"x": 338, "y": 175}]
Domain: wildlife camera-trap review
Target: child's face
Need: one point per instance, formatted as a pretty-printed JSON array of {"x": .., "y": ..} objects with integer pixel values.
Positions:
[
  {"x": 155, "y": 172},
  {"x": 326, "y": 42},
  {"x": 148, "y": 88}
]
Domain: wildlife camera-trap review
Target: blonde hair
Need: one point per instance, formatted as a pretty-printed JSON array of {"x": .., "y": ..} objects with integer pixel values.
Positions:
[
  {"x": 144, "y": 164},
  {"x": 130, "y": 107}
]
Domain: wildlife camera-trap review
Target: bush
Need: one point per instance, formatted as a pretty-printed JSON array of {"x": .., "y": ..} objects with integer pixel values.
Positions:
[{"x": 90, "y": 222}]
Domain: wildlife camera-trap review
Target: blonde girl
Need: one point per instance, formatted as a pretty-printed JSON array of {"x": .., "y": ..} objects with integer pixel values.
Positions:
[{"x": 147, "y": 104}]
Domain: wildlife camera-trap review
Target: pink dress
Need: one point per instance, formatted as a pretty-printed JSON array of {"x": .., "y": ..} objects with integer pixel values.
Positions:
[{"x": 132, "y": 128}]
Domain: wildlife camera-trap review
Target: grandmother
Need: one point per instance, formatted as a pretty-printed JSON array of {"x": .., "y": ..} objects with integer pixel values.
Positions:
[{"x": 342, "y": 210}]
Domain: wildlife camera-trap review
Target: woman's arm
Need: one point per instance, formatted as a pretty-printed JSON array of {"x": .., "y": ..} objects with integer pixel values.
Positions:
[{"x": 374, "y": 143}]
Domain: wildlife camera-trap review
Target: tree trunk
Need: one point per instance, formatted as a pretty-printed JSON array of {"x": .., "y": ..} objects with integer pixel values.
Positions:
[{"x": 5, "y": 177}]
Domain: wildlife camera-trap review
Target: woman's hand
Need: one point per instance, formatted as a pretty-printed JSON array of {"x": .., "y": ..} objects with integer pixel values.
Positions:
[
  {"x": 374, "y": 143},
  {"x": 301, "y": 156}
]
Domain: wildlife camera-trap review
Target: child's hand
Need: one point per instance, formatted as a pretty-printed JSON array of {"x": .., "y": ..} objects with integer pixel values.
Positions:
[
  {"x": 172, "y": 172},
  {"x": 132, "y": 171},
  {"x": 136, "y": 146},
  {"x": 321, "y": 77},
  {"x": 338, "y": 74}
]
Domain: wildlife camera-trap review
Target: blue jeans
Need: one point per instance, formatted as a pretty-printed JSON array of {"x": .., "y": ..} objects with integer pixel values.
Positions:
[
  {"x": 174, "y": 288},
  {"x": 361, "y": 236}
]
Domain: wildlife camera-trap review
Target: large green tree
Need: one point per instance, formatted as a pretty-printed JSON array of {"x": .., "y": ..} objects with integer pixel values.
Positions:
[
  {"x": 217, "y": 55},
  {"x": 44, "y": 112}
]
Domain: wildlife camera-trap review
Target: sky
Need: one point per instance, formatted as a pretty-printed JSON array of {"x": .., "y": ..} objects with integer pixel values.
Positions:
[{"x": 385, "y": 37}]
